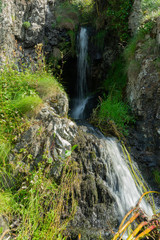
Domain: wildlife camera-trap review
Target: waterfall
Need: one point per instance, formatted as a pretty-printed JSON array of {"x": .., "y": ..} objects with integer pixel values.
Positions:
[
  {"x": 82, "y": 99},
  {"x": 120, "y": 181},
  {"x": 82, "y": 64}
]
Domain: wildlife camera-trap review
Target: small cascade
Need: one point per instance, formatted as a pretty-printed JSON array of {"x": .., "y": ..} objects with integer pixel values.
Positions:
[
  {"x": 81, "y": 100},
  {"x": 120, "y": 181}
]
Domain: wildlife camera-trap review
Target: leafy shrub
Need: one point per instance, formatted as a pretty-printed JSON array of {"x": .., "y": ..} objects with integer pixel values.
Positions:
[
  {"x": 86, "y": 9},
  {"x": 116, "y": 15},
  {"x": 72, "y": 35}
]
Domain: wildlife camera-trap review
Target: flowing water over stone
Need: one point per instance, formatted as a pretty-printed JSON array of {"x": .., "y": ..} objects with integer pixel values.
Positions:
[
  {"x": 119, "y": 180},
  {"x": 82, "y": 99}
]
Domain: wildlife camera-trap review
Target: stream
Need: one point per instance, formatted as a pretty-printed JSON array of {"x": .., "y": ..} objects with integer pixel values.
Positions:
[{"x": 119, "y": 179}]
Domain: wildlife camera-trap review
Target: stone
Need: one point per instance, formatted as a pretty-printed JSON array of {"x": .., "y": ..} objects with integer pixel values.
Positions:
[
  {"x": 19, "y": 41},
  {"x": 59, "y": 103},
  {"x": 143, "y": 92},
  {"x": 135, "y": 16},
  {"x": 48, "y": 137}
]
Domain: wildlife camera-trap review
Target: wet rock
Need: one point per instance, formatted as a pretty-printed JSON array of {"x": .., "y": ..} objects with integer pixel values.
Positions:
[
  {"x": 60, "y": 104},
  {"x": 49, "y": 137}
]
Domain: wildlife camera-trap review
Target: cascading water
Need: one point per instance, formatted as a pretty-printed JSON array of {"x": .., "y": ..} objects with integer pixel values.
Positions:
[
  {"x": 81, "y": 100},
  {"x": 119, "y": 180}
]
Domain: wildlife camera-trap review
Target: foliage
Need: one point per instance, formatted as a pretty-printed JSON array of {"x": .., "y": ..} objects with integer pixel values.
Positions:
[
  {"x": 112, "y": 107},
  {"x": 156, "y": 174},
  {"x": 26, "y": 25},
  {"x": 116, "y": 78},
  {"x": 115, "y": 14},
  {"x": 149, "y": 6},
  {"x": 86, "y": 9},
  {"x": 114, "y": 110},
  {"x": 27, "y": 104},
  {"x": 113, "y": 115},
  {"x": 146, "y": 226},
  {"x": 43, "y": 207},
  {"x": 146, "y": 47},
  {"x": 21, "y": 92},
  {"x": 0, "y": 6},
  {"x": 72, "y": 35},
  {"x": 67, "y": 15}
]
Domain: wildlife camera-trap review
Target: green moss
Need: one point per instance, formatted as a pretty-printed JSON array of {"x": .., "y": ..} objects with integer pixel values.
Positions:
[{"x": 26, "y": 25}]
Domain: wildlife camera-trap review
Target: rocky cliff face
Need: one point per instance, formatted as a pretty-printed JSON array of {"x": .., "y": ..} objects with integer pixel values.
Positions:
[
  {"x": 143, "y": 92},
  {"x": 50, "y": 135},
  {"x": 24, "y": 24}
]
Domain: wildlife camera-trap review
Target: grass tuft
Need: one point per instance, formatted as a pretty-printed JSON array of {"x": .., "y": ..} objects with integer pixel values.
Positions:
[{"x": 28, "y": 104}]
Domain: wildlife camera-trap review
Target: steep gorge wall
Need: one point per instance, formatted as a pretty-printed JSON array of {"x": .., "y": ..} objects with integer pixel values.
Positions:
[
  {"x": 40, "y": 16},
  {"x": 143, "y": 91}
]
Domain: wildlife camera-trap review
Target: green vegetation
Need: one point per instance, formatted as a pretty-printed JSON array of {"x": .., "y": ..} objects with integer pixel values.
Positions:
[
  {"x": 147, "y": 45},
  {"x": 116, "y": 111},
  {"x": 99, "y": 39},
  {"x": 42, "y": 206},
  {"x": 113, "y": 116},
  {"x": 22, "y": 93},
  {"x": 26, "y": 25},
  {"x": 156, "y": 174},
  {"x": 144, "y": 227},
  {"x": 150, "y": 6},
  {"x": 117, "y": 14},
  {"x": 72, "y": 35},
  {"x": 67, "y": 15},
  {"x": 0, "y": 6}
]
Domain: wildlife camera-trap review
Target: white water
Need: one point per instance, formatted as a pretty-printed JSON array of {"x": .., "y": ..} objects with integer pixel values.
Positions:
[
  {"x": 120, "y": 181},
  {"x": 81, "y": 101},
  {"x": 79, "y": 108}
]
